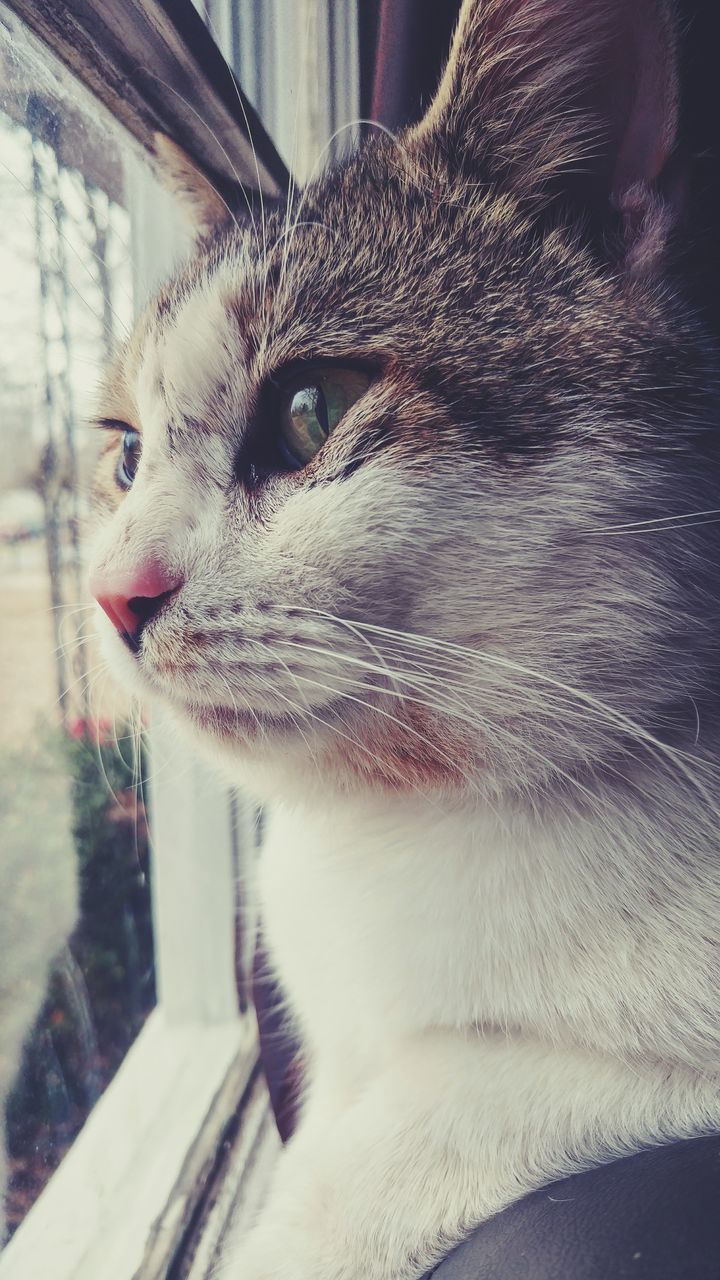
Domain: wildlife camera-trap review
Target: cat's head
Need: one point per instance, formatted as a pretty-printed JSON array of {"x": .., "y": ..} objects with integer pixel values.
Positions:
[{"x": 363, "y": 506}]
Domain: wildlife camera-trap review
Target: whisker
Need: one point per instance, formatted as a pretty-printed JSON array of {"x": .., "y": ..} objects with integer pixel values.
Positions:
[
  {"x": 214, "y": 136},
  {"x": 671, "y": 522},
  {"x": 671, "y": 756},
  {"x": 406, "y": 728},
  {"x": 619, "y": 719},
  {"x": 479, "y": 722}
]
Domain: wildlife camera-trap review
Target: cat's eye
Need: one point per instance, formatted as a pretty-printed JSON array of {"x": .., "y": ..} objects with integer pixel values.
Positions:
[
  {"x": 313, "y": 405},
  {"x": 129, "y": 458}
]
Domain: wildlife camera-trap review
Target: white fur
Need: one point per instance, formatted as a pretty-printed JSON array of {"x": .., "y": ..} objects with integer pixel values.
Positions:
[{"x": 484, "y": 1008}]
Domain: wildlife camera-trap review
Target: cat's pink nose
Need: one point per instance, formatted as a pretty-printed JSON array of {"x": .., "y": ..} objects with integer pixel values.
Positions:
[{"x": 131, "y": 597}]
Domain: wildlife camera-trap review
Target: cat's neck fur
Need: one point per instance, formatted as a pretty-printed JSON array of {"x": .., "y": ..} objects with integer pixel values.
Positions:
[{"x": 594, "y": 928}]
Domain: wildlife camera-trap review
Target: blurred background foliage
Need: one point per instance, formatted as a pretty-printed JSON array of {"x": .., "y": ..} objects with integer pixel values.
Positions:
[
  {"x": 69, "y": 790},
  {"x": 103, "y": 985}
]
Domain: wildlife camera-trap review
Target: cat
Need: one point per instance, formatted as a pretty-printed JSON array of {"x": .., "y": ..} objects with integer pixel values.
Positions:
[{"x": 407, "y": 512}]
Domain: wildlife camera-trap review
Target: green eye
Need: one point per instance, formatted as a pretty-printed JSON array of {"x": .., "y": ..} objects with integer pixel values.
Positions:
[{"x": 314, "y": 407}]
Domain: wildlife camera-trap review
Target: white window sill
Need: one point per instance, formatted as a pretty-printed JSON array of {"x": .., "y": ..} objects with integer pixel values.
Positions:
[
  {"x": 238, "y": 1190},
  {"x": 120, "y": 1203}
]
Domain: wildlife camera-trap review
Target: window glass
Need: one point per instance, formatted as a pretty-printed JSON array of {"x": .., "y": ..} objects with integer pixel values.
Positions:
[{"x": 71, "y": 756}]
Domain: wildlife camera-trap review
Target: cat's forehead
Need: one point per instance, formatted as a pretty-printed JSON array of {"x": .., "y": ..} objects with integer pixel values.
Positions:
[
  {"x": 209, "y": 339},
  {"x": 376, "y": 262}
]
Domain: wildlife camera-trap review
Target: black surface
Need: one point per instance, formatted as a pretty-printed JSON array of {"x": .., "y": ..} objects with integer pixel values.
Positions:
[{"x": 652, "y": 1216}]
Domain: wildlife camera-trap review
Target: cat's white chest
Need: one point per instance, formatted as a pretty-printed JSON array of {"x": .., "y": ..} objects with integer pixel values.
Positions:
[
  {"x": 380, "y": 924},
  {"x": 386, "y": 919}
]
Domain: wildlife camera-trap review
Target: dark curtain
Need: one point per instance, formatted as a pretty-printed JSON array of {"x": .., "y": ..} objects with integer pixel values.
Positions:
[{"x": 412, "y": 39}]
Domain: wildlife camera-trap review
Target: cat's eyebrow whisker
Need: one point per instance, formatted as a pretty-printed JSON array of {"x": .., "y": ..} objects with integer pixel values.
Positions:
[
  {"x": 351, "y": 124},
  {"x": 292, "y": 186},
  {"x": 248, "y": 131},
  {"x": 77, "y": 180},
  {"x": 214, "y": 136},
  {"x": 311, "y": 222},
  {"x": 123, "y": 328}
]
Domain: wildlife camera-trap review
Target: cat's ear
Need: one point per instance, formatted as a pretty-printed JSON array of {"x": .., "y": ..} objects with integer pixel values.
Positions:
[
  {"x": 205, "y": 208},
  {"x": 569, "y": 99}
]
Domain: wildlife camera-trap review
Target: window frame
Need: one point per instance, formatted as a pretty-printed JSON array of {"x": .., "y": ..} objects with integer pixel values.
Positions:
[
  {"x": 119, "y": 1205},
  {"x": 191, "y": 94}
]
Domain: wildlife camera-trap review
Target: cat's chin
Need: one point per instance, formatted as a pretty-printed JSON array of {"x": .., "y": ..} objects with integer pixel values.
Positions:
[
  {"x": 267, "y": 757},
  {"x": 277, "y": 757}
]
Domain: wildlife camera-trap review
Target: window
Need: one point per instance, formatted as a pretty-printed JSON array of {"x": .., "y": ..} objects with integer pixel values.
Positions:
[
  {"x": 66, "y": 299},
  {"x": 138, "y": 1090}
]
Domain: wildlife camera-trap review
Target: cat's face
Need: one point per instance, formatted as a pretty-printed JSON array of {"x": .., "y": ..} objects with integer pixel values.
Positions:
[{"x": 381, "y": 447}]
